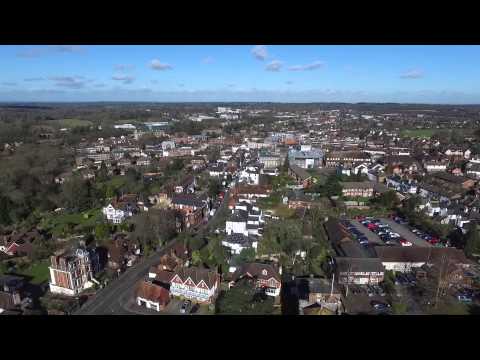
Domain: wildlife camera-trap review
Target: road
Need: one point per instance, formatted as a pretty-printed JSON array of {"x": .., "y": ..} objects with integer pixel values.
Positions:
[
  {"x": 115, "y": 297},
  {"x": 406, "y": 233}
]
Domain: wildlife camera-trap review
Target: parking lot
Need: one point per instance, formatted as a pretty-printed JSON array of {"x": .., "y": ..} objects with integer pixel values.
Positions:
[
  {"x": 371, "y": 236},
  {"x": 405, "y": 232}
]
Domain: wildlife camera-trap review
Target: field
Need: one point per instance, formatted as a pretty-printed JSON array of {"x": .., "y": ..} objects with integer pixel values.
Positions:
[
  {"x": 64, "y": 224},
  {"x": 69, "y": 123},
  {"x": 428, "y": 133}
]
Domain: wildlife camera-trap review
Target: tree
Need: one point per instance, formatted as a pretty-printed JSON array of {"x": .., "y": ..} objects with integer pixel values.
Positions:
[
  {"x": 388, "y": 199},
  {"x": 246, "y": 255},
  {"x": 243, "y": 299},
  {"x": 196, "y": 258},
  {"x": 472, "y": 242},
  {"x": 76, "y": 194},
  {"x": 102, "y": 231},
  {"x": 214, "y": 187},
  {"x": 102, "y": 174},
  {"x": 154, "y": 227}
]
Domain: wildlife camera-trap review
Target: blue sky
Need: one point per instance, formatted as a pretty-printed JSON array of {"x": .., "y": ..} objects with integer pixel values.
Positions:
[{"x": 430, "y": 74}]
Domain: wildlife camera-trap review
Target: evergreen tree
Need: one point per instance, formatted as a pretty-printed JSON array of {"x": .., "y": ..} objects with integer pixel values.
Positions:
[{"x": 472, "y": 243}]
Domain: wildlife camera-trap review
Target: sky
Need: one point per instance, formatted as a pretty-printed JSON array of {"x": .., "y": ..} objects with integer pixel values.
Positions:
[{"x": 279, "y": 73}]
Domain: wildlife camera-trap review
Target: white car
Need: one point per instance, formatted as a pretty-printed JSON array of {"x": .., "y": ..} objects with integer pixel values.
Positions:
[
  {"x": 404, "y": 242},
  {"x": 394, "y": 235}
]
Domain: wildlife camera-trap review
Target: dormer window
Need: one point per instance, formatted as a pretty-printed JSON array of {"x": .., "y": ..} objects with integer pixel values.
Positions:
[{"x": 264, "y": 272}]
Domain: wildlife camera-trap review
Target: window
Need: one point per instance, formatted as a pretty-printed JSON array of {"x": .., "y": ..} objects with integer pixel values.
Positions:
[{"x": 264, "y": 272}]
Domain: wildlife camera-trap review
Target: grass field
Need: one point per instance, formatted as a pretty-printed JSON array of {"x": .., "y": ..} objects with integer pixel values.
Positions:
[
  {"x": 70, "y": 123},
  {"x": 63, "y": 224},
  {"x": 428, "y": 133}
]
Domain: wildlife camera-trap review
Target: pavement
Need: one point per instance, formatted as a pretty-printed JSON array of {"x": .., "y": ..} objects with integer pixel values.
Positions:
[
  {"x": 116, "y": 298},
  {"x": 406, "y": 233}
]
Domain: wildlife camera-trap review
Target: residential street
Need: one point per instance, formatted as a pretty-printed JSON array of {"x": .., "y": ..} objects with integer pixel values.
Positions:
[{"x": 113, "y": 299}]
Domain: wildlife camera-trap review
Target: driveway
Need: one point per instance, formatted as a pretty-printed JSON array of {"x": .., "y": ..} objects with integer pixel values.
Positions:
[{"x": 406, "y": 233}]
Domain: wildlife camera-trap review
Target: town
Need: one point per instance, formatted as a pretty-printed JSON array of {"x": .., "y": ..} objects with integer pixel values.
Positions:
[{"x": 239, "y": 209}]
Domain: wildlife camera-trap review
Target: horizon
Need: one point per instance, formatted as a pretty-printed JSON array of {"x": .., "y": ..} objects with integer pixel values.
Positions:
[{"x": 401, "y": 74}]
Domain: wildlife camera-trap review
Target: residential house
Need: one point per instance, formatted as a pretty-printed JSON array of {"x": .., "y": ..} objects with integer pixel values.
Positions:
[
  {"x": 358, "y": 189},
  {"x": 10, "y": 292},
  {"x": 151, "y": 295},
  {"x": 193, "y": 209},
  {"x": 267, "y": 277},
  {"x": 237, "y": 242},
  {"x": 20, "y": 243},
  {"x": 312, "y": 290},
  {"x": 196, "y": 284},
  {"x": 303, "y": 178},
  {"x": 72, "y": 272},
  {"x": 116, "y": 216},
  {"x": 187, "y": 185}
]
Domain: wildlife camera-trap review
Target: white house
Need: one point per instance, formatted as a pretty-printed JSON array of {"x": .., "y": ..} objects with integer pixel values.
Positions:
[
  {"x": 238, "y": 242},
  {"x": 116, "y": 216}
]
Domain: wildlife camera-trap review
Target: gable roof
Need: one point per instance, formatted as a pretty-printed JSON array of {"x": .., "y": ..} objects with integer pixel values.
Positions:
[
  {"x": 198, "y": 274},
  {"x": 257, "y": 270},
  {"x": 152, "y": 292},
  {"x": 419, "y": 254},
  {"x": 346, "y": 264}
]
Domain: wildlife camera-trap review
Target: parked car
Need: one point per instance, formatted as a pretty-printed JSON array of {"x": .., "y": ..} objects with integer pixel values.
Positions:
[
  {"x": 404, "y": 242},
  {"x": 464, "y": 298},
  {"x": 379, "y": 305},
  {"x": 185, "y": 306}
]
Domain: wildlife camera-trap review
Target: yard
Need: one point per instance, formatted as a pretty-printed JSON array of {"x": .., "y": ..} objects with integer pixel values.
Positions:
[
  {"x": 64, "y": 224},
  {"x": 38, "y": 272}
]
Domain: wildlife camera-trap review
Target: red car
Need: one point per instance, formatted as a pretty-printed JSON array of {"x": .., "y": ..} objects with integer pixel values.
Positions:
[
  {"x": 372, "y": 226},
  {"x": 434, "y": 240}
]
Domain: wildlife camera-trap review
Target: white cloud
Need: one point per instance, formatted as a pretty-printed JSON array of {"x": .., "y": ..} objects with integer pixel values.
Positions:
[
  {"x": 274, "y": 65},
  {"x": 156, "y": 64},
  {"x": 67, "y": 48},
  {"x": 126, "y": 79},
  {"x": 308, "y": 67},
  {"x": 412, "y": 74},
  {"x": 71, "y": 82},
  {"x": 38, "y": 51},
  {"x": 260, "y": 52}
]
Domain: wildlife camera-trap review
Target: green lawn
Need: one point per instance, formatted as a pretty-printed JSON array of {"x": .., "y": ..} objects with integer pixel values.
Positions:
[
  {"x": 60, "y": 224},
  {"x": 427, "y": 133},
  {"x": 38, "y": 271}
]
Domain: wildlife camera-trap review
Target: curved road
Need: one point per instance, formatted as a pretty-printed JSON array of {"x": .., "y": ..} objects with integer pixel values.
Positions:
[{"x": 112, "y": 299}]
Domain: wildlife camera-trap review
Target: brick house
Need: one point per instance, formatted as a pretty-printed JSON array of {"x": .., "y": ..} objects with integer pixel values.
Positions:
[{"x": 266, "y": 275}]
